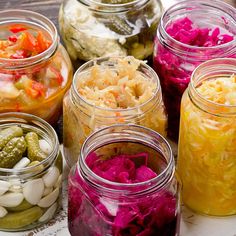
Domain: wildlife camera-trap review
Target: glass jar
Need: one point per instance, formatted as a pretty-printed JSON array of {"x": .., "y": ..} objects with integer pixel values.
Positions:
[
  {"x": 207, "y": 150},
  {"x": 184, "y": 40},
  {"x": 93, "y": 28},
  {"x": 29, "y": 192},
  {"x": 100, "y": 206},
  {"x": 84, "y": 116},
  {"x": 32, "y": 84}
]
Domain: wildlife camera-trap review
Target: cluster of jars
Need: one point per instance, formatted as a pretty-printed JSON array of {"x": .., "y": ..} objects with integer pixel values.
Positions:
[{"x": 117, "y": 113}]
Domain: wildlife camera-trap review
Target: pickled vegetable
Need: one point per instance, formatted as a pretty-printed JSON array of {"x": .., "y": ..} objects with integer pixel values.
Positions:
[
  {"x": 207, "y": 150},
  {"x": 7, "y": 134},
  {"x": 21, "y": 219},
  {"x": 34, "y": 151},
  {"x": 38, "y": 84},
  {"x": 12, "y": 152},
  {"x": 89, "y": 34},
  {"x": 23, "y": 206},
  {"x": 119, "y": 90}
]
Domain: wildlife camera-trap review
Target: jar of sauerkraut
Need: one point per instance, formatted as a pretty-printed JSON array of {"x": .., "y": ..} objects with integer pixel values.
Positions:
[
  {"x": 106, "y": 91},
  {"x": 189, "y": 33},
  {"x": 207, "y": 141},
  {"x": 35, "y": 70},
  {"x": 97, "y": 28},
  {"x": 124, "y": 184},
  {"x": 30, "y": 172}
]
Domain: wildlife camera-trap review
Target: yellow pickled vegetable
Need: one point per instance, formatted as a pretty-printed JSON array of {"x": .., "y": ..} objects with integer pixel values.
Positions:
[{"x": 207, "y": 150}]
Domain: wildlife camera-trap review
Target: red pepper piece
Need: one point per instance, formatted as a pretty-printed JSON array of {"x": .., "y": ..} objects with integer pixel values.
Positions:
[
  {"x": 28, "y": 42},
  {"x": 17, "y": 28},
  {"x": 12, "y": 38},
  {"x": 43, "y": 43}
]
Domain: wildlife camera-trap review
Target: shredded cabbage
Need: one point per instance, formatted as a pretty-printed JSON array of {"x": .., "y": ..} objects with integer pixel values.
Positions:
[
  {"x": 207, "y": 151},
  {"x": 93, "y": 214},
  {"x": 121, "y": 86},
  {"x": 175, "y": 70}
]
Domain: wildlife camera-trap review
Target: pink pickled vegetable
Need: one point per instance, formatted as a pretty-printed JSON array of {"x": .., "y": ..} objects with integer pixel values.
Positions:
[
  {"x": 175, "y": 68},
  {"x": 91, "y": 215}
]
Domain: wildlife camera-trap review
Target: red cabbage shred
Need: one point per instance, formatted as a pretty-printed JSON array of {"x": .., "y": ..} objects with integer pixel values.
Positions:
[
  {"x": 91, "y": 214},
  {"x": 175, "y": 71}
]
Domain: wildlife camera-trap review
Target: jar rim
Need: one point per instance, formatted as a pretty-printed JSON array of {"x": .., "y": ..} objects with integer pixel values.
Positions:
[
  {"x": 31, "y": 18},
  {"x": 220, "y": 5},
  {"x": 24, "y": 118},
  {"x": 112, "y": 59},
  {"x": 162, "y": 179},
  {"x": 111, "y": 7},
  {"x": 224, "y": 64}
]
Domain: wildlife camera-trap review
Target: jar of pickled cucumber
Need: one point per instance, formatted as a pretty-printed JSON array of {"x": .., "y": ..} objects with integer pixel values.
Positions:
[
  {"x": 207, "y": 141},
  {"x": 107, "y": 91},
  {"x": 30, "y": 172},
  {"x": 124, "y": 184},
  {"x": 97, "y": 28},
  {"x": 190, "y": 33},
  {"x": 35, "y": 69}
]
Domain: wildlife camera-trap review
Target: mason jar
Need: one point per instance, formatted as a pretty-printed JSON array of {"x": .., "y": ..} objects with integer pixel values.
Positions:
[
  {"x": 35, "y": 69},
  {"x": 30, "y": 189},
  {"x": 124, "y": 184},
  {"x": 92, "y": 29},
  {"x": 206, "y": 155},
  {"x": 82, "y": 115},
  {"x": 190, "y": 32}
]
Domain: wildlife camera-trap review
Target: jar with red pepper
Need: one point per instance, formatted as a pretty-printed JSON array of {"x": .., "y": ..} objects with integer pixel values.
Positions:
[{"x": 35, "y": 70}]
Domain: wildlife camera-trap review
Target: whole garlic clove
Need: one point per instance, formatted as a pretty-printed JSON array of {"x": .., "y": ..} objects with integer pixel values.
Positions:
[
  {"x": 49, "y": 199},
  {"x": 3, "y": 212},
  {"x": 4, "y": 186},
  {"x": 33, "y": 190},
  {"x": 11, "y": 199},
  {"x": 44, "y": 146},
  {"x": 50, "y": 178},
  {"x": 48, "y": 213}
]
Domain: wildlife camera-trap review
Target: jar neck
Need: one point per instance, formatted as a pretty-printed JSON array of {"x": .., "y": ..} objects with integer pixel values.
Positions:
[
  {"x": 35, "y": 21},
  {"x": 113, "y": 6},
  {"x": 100, "y": 113},
  {"x": 209, "y": 70},
  {"x": 126, "y": 133},
  {"x": 209, "y": 10},
  {"x": 30, "y": 123}
]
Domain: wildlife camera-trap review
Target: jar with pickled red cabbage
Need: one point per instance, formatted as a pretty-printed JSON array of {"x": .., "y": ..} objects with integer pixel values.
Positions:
[
  {"x": 207, "y": 141},
  {"x": 107, "y": 91},
  {"x": 124, "y": 184},
  {"x": 190, "y": 33},
  {"x": 35, "y": 69},
  {"x": 99, "y": 28}
]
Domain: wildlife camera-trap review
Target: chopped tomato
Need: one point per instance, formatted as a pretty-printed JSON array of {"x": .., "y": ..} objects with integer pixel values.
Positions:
[
  {"x": 35, "y": 89},
  {"x": 28, "y": 42},
  {"x": 17, "y": 28},
  {"x": 43, "y": 43}
]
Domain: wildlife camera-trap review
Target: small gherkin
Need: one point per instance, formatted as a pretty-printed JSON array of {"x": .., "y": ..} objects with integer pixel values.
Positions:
[
  {"x": 12, "y": 152},
  {"x": 7, "y": 134},
  {"x": 34, "y": 151}
]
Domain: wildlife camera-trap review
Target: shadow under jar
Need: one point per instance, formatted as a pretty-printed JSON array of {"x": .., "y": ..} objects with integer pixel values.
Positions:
[
  {"x": 30, "y": 173},
  {"x": 35, "y": 69},
  {"x": 207, "y": 142},
  {"x": 124, "y": 184},
  {"x": 107, "y": 91},
  {"x": 189, "y": 33},
  {"x": 94, "y": 28}
]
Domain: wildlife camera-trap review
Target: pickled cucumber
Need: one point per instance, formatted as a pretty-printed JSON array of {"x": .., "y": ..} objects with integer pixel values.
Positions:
[
  {"x": 23, "y": 206},
  {"x": 120, "y": 26},
  {"x": 7, "y": 134},
  {"x": 34, "y": 151},
  {"x": 21, "y": 219},
  {"x": 12, "y": 152}
]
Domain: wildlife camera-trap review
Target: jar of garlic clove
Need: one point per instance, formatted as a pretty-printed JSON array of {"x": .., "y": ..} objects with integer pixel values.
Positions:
[{"x": 30, "y": 172}]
